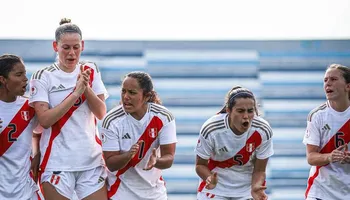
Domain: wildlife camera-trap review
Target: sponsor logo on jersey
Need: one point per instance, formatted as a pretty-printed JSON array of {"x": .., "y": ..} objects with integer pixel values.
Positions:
[
  {"x": 101, "y": 179},
  {"x": 326, "y": 128},
  {"x": 126, "y": 136},
  {"x": 223, "y": 149}
]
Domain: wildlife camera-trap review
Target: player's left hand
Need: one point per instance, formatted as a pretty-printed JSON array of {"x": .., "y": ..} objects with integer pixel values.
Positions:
[
  {"x": 34, "y": 168},
  {"x": 258, "y": 193},
  {"x": 346, "y": 159},
  {"x": 152, "y": 160}
]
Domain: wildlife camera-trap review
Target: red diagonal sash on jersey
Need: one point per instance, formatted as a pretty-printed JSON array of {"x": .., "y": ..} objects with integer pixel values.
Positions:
[
  {"x": 328, "y": 148},
  {"x": 21, "y": 120},
  {"x": 56, "y": 128},
  {"x": 148, "y": 140},
  {"x": 243, "y": 156}
]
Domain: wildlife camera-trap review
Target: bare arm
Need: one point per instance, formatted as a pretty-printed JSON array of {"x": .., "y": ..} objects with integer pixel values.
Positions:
[
  {"x": 165, "y": 161},
  {"x": 96, "y": 103},
  {"x": 47, "y": 117},
  {"x": 259, "y": 173},
  {"x": 205, "y": 174},
  {"x": 202, "y": 168},
  {"x": 167, "y": 156},
  {"x": 315, "y": 158},
  {"x": 258, "y": 179},
  {"x": 116, "y": 160},
  {"x": 36, "y": 156}
]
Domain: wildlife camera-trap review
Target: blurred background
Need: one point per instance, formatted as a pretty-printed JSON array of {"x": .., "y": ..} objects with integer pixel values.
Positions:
[{"x": 196, "y": 51}]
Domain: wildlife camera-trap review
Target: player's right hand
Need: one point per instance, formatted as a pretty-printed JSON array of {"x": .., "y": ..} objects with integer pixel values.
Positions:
[
  {"x": 338, "y": 154},
  {"x": 134, "y": 149},
  {"x": 83, "y": 80},
  {"x": 211, "y": 181},
  {"x": 35, "y": 167},
  {"x": 258, "y": 193}
]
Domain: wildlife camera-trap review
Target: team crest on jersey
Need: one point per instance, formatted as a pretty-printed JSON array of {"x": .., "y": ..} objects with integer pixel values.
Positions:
[
  {"x": 25, "y": 115},
  {"x": 33, "y": 91},
  {"x": 153, "y": 133},
  {"x": 250, "y": 147}
]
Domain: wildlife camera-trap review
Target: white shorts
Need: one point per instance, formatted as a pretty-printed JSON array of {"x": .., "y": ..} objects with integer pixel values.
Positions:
[
  {"x": 209, "y": 196},
  {"x": 124, "y": 193},
  {"x": 83, "y": 183},
  {"x": 37, "y": 196}
]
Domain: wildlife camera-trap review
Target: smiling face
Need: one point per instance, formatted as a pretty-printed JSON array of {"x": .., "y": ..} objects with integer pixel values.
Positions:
[
  {"x": 335, "y": 85},
  {"x": 16, "y": 81},
  {"x": 133, "y": 99},
  {"x": 241, "y": 115},
  {"x": 69, "y": 48}
]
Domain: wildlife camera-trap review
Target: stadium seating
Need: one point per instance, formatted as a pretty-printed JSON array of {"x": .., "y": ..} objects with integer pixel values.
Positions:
[{"x": 192, "y": 79}]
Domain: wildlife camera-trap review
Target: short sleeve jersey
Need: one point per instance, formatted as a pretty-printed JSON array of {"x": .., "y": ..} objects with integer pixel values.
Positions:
[
  {"x": 16, "y": 133},
  {"x": 328, "y": 129},
  {"x": 71, "y": 144},
  {"x": 232, "y": 155},
  {"x": 120, "y": 131}
]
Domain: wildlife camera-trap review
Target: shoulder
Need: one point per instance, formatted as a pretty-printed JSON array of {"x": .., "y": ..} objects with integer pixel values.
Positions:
[
  {"x": 90, "y": 64},
  {"x": 113, "y": 116},
  {"x": 22, "y": 100},
  {"x": 314, "y": 113},
  {"x": 263, "y": 126},
  {"x": 41, "y": 73},
  {"x": 162, "y": 112},
  {"x": 214, "y": 124}
]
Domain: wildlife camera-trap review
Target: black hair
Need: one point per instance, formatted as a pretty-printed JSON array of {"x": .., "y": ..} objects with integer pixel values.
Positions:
[
  {"x": 145, "y": 82},
  {"x": 7, "y": 62},
  {"x": 233, "y": 94}
]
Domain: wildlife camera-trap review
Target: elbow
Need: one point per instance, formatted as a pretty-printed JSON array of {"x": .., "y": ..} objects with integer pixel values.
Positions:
[
  {"x": 110, "y": 167},
  {"x": 100, "y": 114},
  {"x": 169, "y": 164},
  {"x": 44, "y": 123},
  {"x": 310, "y": 161}
]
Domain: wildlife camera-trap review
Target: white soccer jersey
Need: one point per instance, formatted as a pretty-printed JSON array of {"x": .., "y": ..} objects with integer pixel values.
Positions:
[
  {"x": 15, "y": 149},
  {"x": 231, "y": 155},
  {"x": 328, "y": 129},
  {"x": 119, "y": 132},
  {"x": 71, "y": 143}
]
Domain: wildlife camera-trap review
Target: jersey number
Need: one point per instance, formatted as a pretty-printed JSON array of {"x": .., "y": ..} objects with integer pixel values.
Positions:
[
  {"x": 238, "y": 159},
  {"x": 142, "y": 147},
  {"x": 78, "y": 102},
  {"x": 13, "y": 130},
  {"x": 339, "y": 140}
]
